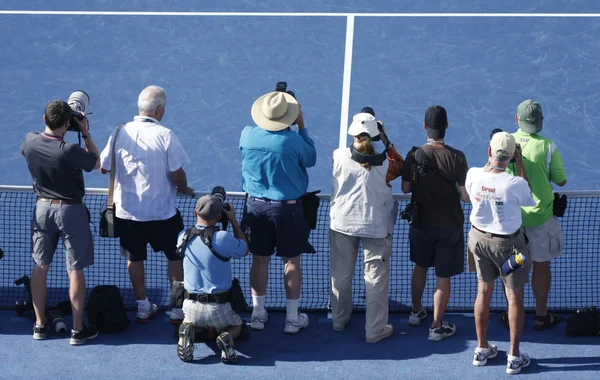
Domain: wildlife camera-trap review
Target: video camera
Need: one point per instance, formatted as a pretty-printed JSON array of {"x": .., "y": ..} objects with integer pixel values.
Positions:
[
  {"x": 282, "y": 87},
  {"x": 78, "y": 101}
]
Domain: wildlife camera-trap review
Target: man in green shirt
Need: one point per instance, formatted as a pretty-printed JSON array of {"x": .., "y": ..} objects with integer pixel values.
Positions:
[{"x": 544, "y": 166}]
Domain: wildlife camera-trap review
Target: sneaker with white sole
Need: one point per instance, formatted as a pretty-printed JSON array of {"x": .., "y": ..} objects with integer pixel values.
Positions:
[
  {"x": 446, "y": 330},
  {"x": 292, "y": 327},
  {"x": 387, "y": 331},
  {"x": 514, "y": 364},
  {"x": 41, "y": 332},
  {"x": 482, "y": 355},
  {"x": 414, "y": 319},
  {"x": 225, "y": 343},
  {"x": 185, "y": 344},
  {"x": 258, "y": 320},
  {"x": 79, "y": 337},
  {"x": 144, "y": 316},
  {"x": 176, "y": 317}
]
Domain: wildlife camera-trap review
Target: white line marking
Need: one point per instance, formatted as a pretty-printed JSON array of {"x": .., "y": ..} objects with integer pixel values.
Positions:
[
  {"x": 292, "y": 14},
  {"x": 346, "y": 80}
]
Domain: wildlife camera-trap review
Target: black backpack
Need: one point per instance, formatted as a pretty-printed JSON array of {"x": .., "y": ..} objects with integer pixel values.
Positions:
[{"x": 106, "y": 310}]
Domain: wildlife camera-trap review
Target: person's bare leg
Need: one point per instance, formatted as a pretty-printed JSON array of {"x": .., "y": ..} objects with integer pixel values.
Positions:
[
  {"x": 293, "y": 278},
  {"x": 38, "y": 292},
  {"x": 175, "y": 270},
  {"x": 516, "y": 318},
  {"x": 137, "y": 277},
  {"x": 541, "y": 279},
  {"x": 259, "y": 274},
  {"x": 441, "y": 297},
  {"x": 482, "y": 311},
  {"x": 77, "y": 294},
  {"x": 417, "y": 287}
]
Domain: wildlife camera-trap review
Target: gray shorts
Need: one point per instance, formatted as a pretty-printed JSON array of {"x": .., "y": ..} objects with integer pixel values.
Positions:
[
  {"x": 67, "y": 222},
  {"x": 216, "y": 315},
  {"x": 490, "y": 253},
  {"x": 546, "y": 241}
]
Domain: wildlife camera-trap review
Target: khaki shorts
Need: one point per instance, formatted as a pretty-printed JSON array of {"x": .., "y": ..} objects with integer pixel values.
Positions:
[
  {"x": 546, "y": 241},
  {"x": 216, "y": 315},
  {"x": 490, "y": 253}
]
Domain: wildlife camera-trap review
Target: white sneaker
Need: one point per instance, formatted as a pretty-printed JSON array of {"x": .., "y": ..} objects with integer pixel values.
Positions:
[
  {"x": 292, "y": 327},
  {"x": 143, "y": 316},
  {"x": 447, "y": 330},
  {"x": 414, "y": 319},
  {"x": 176, "y": 317},
  {"x": 258, "y": 320},
  {"x": 514, "y": 365},
  {"x": 387, "y": 331},
  {"x": 482, "y": 355}
]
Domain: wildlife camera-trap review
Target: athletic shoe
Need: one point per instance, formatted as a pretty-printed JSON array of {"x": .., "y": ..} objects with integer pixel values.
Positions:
[
  {"x": 144, "y": 316},
  {"x": 176, "y": 317},
  {"x": 40, "y": 332},
  {"x": 514, "y": 365},
  {"x": 225, "y": 343},
  {"x": 437, "y": 334},
  {"x": 79, "y": 337},
  {"x": 258, "y": 320},
  {"x": 483, "y": 354},
  {"x": 292, "y": 327},
  {"x": 414, "y": 319},
  {"x": 185, "y": 345},
  {"x": 387, "y": 331}
]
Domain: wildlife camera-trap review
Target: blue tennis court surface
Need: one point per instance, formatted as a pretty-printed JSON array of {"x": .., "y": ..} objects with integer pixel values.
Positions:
[{"x": 213, "y": 67}]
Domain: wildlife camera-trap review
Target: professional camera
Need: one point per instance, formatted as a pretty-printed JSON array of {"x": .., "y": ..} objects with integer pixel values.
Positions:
[
  {"x": 219, "y": 192},
  {"x": 410, "y": 213},
  {"x": 78, "y": 101},
  {"x": 282, "y": 87}
]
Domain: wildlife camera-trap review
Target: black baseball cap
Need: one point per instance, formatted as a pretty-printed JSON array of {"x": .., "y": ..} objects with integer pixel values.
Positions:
[{"x": 436, "y": 122}]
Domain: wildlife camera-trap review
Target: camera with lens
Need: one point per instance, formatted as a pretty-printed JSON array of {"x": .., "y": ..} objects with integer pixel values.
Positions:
[
  {"x": 517, "y": 147},
  {"x": 282, "y": 87},
  {"x": 410, "y": 213},
  {"x": 219, "y": 192},
  {"x": 78, "y": 101}
]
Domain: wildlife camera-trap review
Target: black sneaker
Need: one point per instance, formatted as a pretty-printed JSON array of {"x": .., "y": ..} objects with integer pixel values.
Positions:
[
  {"x": 40, "y": 332},
  {"x": 79, "y": 337},
  {"x": 185, "y": 345},
  {"x": 225, "y": 343}
]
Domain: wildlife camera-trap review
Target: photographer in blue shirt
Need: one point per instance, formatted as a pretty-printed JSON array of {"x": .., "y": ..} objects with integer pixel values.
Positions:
[
  {"x": 208, "y": 279},
  {"x": 274, "y": 162}
]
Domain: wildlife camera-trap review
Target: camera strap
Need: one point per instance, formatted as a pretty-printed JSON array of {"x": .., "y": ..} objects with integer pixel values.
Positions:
[
  {"x": 371, "y": 159},
  {"x": 206, "y": 235}
]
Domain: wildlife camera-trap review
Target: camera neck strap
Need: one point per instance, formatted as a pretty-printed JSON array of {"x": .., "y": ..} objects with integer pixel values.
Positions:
[
  {"x": 206, "y": 235},
  {"x": 371, "y": 159}
]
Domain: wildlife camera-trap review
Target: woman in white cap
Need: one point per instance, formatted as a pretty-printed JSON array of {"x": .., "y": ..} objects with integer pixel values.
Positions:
[{"x": 362, "y": 210}]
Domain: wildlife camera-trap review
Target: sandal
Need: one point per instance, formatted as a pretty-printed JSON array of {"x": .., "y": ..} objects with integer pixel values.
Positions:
[
  {"x": 504, "y": 320},
  {"x": 547, "y": 323}
]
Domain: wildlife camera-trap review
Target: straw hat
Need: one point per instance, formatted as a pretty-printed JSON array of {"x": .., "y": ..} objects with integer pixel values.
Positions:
[{"x": 275, "y": 111}]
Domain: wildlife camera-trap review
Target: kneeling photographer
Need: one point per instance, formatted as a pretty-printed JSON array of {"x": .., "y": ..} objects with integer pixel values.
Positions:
[{"x": 212, "y": 296}]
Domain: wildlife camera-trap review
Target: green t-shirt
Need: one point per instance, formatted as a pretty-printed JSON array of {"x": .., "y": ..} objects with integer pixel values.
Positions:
[{"x": 543, "y": 165}]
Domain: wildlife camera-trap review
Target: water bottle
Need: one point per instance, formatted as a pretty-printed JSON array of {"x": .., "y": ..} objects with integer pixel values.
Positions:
[
  {"x": 58, "y": 324},
  {"x": 513, "y": 263}
]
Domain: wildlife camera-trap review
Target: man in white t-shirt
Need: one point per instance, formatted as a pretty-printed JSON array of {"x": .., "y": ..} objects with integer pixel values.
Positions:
[{"x": 495, "y": 235}]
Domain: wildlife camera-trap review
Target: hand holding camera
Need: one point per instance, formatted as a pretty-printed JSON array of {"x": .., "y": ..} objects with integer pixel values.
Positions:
[
  {"x": 282, "y": 87},
  {"x": 230, "y": 211}
]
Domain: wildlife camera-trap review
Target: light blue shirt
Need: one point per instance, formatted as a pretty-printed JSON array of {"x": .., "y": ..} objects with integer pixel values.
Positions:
[
  {"x": 274, "y": 163},
  {"x": 203, "y": 272}
]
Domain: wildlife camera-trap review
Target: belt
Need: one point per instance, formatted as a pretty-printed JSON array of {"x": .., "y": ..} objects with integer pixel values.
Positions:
[
  {"x": 209, "y": 298},
  {"x": 498, "y": 235},
  {"x": 267, "y": 200},
  {"x": 60, "y": 201}
]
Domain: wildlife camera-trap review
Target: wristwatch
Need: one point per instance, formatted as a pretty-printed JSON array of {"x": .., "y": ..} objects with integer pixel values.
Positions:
[{"x": 85, "y": 137}]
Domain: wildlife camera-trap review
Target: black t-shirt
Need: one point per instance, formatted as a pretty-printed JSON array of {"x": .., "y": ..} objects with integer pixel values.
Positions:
[
  {"x": 55, "y": 166},
  {"x": 437, "y": 198}
]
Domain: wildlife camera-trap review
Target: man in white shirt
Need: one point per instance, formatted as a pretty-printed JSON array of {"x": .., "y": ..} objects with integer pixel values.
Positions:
[
  {"x": 495, "y": 235},
  {"x": 149, "y": 162}
]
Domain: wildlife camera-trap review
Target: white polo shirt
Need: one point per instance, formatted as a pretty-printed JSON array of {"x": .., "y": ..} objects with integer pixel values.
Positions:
[
  {"x": 497, "y": 199},
  {"x": 146, "y": 154}
]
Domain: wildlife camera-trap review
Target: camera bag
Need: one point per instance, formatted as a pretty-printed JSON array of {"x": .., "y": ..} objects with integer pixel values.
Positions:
[{"x": 108, "y": 221}]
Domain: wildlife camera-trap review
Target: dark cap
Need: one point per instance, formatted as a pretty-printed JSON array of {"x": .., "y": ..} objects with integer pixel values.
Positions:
[
  {"x": 436, "y": 122},
  {"x": 209, "y": 207}
]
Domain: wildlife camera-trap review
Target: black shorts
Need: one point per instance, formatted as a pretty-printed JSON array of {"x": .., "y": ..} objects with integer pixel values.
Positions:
[
  {"x": 161, "y": 234},
  {"x": 277, "y": 226},
  {"x": 439, "y": 247}
]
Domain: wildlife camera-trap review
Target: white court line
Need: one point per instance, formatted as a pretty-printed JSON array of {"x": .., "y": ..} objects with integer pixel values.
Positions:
[
  {"x": 346, "y": 80},
  {"x": 295, "y": 14}
]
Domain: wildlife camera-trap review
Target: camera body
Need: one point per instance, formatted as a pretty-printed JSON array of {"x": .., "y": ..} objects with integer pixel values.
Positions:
[
  {"x": 410, "y": 214},
  {"x": 282, "y": 87},
  {"x": 78, "y": 101}
]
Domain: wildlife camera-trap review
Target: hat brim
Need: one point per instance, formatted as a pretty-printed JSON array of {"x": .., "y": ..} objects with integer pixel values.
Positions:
[
  {"x": 529, "y": 127},
  {"x": 275, "y": 125},
  {"x": 356, "y": 128}
]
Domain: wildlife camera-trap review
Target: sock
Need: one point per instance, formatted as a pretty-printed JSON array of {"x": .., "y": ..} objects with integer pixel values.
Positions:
[
  {"x": 73, "y": 331},
  {"x": 258, "y": 303},
  {"x": 144, "y": 305},
  {"x": 177, "y": 313},
  {"x": 514, "y": 358},
  {"x": 292, "y": 309}
]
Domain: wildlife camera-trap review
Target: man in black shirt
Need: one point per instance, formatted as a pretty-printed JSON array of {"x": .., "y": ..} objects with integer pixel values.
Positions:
[
  {"x": 56, "y": 170},
  {"x": 435, "y": 175}
]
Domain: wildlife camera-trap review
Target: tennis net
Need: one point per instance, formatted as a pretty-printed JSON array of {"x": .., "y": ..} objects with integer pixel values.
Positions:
[{"x": 575, "y": 275}]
